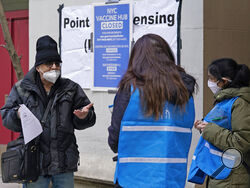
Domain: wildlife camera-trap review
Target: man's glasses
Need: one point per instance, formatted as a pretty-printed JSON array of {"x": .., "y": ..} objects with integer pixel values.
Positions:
[{"x": 50, "y": 64}]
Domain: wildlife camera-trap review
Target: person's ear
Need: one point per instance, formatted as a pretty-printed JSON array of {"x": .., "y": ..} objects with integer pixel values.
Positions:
[
  {"x": 225, "y": 81},
  {"x": 39, "y": 70}
]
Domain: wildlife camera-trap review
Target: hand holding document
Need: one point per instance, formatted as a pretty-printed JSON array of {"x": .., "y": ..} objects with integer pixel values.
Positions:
[{"x": 31, "y": 126}]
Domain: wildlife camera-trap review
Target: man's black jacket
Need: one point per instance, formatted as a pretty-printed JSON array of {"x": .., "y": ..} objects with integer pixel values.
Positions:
[{"x": 59, "y": 151}]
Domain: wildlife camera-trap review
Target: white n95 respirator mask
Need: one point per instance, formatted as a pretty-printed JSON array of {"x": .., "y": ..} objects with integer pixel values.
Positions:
[
  {"x": 52, "y": 75},
  {"x": 213, "y": 86}
]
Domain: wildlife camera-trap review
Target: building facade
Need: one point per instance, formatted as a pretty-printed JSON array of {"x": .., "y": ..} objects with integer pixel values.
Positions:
[{"x": 210, "y": 29}]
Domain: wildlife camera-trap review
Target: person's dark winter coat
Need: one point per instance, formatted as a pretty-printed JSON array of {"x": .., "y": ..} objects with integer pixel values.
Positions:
[{"x": 59, "y": 151}]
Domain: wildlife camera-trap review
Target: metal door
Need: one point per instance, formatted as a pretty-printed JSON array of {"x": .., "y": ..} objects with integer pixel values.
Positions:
[{"x": 19, "y": 29}]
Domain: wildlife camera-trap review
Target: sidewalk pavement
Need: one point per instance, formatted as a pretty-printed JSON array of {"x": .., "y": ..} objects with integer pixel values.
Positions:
[{"x": 9, "y": 185}]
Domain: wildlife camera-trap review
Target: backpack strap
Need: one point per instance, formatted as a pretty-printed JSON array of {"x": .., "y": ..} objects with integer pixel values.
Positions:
[{"x": 47, "y": 111}]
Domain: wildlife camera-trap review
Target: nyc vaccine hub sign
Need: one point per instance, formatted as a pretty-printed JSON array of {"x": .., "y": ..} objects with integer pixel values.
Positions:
[
  {"x": 109, "y": 28},
  {"x": 112, "y": 39}
]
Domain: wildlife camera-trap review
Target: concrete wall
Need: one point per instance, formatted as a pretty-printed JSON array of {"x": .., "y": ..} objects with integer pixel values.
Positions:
[
  {"x": 192, "y": 56},
  {"x": 226, "y": 34},
  {"x": 96, "y": 157},
  {"x": 10, "y": 5}
]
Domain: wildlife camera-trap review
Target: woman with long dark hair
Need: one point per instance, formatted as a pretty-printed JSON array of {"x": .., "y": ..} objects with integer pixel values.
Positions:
[
  {"x": 223, "y": 151},
  {"x": 152, "y": 118}
]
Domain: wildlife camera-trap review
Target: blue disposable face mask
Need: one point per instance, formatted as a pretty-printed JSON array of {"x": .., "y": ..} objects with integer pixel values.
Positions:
[{"x": 213, "y": 86}]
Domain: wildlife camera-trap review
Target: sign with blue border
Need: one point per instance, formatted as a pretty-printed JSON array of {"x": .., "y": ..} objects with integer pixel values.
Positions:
[{"x": 112, "y": 30}]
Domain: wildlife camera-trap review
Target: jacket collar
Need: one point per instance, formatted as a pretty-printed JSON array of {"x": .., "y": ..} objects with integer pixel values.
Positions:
[
  {"x": 29, "y": 81},
  {"x": 243, "y": 92}
]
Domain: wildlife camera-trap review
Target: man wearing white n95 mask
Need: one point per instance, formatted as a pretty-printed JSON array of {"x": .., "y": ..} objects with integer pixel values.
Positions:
[{"x": 70, "y": 110}]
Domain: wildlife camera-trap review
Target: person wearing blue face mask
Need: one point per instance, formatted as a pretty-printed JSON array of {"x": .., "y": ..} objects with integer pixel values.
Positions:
[{"x": 226, "y": 126}]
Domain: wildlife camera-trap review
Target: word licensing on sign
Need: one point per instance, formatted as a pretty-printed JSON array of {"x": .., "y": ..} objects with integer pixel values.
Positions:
[{"x": 138, "y": 20}]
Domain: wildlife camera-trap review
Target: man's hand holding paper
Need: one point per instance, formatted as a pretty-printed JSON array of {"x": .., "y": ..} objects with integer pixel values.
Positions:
[{"x": 31, "y": 126}]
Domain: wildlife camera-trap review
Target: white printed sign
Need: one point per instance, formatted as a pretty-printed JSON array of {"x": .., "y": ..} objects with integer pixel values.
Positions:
[
  {"x": 75, "y": 45},
  {"x": 157, "y": 17},
  {"x": 149, "y": 16}
]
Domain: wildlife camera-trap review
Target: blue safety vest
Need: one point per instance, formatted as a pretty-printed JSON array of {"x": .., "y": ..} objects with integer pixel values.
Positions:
[
  {"x": 153, "y": 153},
  {"x": 207, "y": 158}
]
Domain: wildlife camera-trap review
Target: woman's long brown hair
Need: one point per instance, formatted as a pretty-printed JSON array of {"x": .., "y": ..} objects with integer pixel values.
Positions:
[{"x": 153, "y": 71}]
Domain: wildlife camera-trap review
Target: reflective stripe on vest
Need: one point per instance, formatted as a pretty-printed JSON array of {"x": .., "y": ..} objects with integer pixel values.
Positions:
[
  {"x": 153, "y": 153},
  {"x": 207, "y": 158},
  {"x": 152, "y": 160},
  {"x": 156, "y": 128}
]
